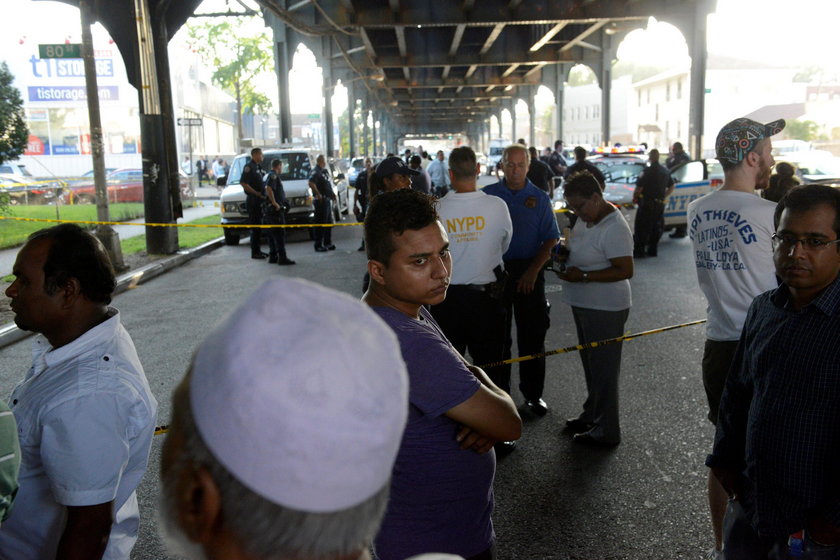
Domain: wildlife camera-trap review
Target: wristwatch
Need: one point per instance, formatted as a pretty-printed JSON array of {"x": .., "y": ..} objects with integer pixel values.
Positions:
[{"x": 585, "y": 277}]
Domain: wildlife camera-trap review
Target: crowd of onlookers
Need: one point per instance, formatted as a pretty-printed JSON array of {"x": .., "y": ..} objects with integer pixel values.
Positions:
[{"x": 383, "y": 442}]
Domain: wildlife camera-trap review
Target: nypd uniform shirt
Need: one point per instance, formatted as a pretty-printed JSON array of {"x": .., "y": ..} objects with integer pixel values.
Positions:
[
  {"x": 252, "y": 176},
  {"x": 532, "y": 218}
]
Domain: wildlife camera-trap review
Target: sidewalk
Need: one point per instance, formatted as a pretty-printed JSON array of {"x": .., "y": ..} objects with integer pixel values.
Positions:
[{"x": 207, "y": 206}]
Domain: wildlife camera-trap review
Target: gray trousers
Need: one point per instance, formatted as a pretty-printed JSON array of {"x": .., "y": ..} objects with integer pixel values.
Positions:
[{"x": 601, "y": 367}]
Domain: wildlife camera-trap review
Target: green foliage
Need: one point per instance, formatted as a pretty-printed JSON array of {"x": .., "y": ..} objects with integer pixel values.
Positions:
[
  {"x": 239, "y": 56},
  {"x": 581, "y": 75},
  {"x": 802, "y": 130},
  {"x": 13, "y": 130}
]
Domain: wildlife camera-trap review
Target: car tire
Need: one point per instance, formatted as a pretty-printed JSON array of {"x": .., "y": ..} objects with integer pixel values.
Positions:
[{"x": 231, "y": 236}]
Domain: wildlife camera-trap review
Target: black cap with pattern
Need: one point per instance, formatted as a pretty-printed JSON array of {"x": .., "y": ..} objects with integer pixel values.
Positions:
[{"x": 739, "y": 137}]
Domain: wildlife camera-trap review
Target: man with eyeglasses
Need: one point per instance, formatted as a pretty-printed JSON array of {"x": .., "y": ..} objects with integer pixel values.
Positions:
[
  {"x": 535, "y": 233},
  {"x": 777, "y": 447},
  {"x": 730, "y": 232}
]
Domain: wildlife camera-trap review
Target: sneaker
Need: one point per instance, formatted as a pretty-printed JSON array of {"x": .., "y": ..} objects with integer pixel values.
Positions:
[
  {"x": 713, "y": 554},
  {"x": 320, "y": 249},
  {"x": 330, "y": 247}
]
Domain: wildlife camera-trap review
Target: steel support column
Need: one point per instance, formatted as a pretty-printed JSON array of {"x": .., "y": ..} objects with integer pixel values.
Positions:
[
  {"x": 512, "y": 105},
  {"x": 558, "y": 100},
  {"x": 606, "y": 89},
  {"x": 282, "y": 64},
  {"x": 157, "y": 202},
  {"x": 697, "y": 97},
  {"x": 351, "y": 118},
  {"x": 532, "y": 117}
]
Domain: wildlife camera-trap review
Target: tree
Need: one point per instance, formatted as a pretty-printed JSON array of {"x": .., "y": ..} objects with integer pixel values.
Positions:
[
  {"x": 14, "y": 134},
  {"x": 239, "y": 57},
  {"x": 802, "y": 130}
]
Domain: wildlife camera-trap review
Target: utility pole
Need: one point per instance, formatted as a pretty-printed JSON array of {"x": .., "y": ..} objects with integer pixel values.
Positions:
[{"x": 105, "y": 233}]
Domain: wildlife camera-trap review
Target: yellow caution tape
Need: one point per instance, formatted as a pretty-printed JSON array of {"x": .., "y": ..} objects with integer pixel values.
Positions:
[
  {"x": 151, "y": 224},
  {"x": 578, "y": 347},
  {"x": 628, "y": 337}
]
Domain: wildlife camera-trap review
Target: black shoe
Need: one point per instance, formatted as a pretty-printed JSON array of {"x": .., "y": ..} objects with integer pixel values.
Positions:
[
  {"x": 639, "y": 255},
  {"x": 587, "y": 439},
  {"x": 651, "y": 253},
  {"x": 285, "y": 261},
  {"x": 330, "y": 247},
  {"x": 272, "y": 260},
  {"x": 538, "y": 407},
  {"x": 362, "y": 248},
  {"x": 577, "y": 425},
  {"x": 320, "y": 249},
  {"x": 504, "y": 448},
  {"x": 258, "y": 256}
]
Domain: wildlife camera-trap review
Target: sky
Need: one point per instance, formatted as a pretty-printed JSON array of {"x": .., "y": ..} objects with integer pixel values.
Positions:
[{"x": 801, "y": 33}]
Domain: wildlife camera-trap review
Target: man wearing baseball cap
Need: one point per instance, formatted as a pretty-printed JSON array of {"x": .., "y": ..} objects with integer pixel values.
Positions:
[
  {"x": 730, "y": 231},
  {"x": 279, "y": 454}
]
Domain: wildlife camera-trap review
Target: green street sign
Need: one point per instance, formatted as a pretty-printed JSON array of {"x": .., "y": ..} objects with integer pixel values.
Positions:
[{"x": 73, "y": 50}]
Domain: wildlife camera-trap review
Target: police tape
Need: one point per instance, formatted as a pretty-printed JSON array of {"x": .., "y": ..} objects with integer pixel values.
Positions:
[
  {"x": 184, "y": 225},
  {"x": 588, "y": 345},
  {"x": 159, "y": 430}
]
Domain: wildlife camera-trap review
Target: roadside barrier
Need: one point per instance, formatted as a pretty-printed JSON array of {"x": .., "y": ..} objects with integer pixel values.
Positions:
[{"x": 626, "y": 338}]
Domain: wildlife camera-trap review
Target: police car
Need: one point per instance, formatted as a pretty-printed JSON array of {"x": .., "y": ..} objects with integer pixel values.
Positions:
[
  {"x": 297, "y": 168},
  {"x": 622, "y": 167}
]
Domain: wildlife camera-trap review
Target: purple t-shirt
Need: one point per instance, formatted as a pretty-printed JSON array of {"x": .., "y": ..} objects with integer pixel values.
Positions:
[{"x": 441, "y": 496}]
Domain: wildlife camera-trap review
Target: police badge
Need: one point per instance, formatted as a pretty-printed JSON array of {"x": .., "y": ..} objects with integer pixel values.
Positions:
[{"x": 531, "y": 202}]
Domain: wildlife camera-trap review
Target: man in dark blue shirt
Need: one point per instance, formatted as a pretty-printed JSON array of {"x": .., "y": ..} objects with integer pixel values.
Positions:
[
  {"x": 777, "y": 447},
  {"x": 252, "y": 183},
  {"x": 321, "y": 185},
  {"x": 535, "y": 233}
]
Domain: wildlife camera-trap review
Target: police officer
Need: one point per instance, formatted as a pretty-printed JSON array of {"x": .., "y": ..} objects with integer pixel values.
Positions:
[
  {"x": 252, "y": 183},
  {"x": 274, "y": 213},
  {"x": 321, "y": 187},
  {"x": 360, "y": 198},
  {"x": 535, "y": 233},
  {"x": 652, "y": 187}
]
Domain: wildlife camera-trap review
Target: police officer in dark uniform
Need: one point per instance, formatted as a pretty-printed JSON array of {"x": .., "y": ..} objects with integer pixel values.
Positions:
[
  {"x": 275, "y": 207},
  {"x": 252, "y": 184},
  {"x": 652, "y": 187},
  {"x": 360, "y": 200},
  {"x": 321, "y": 187}
]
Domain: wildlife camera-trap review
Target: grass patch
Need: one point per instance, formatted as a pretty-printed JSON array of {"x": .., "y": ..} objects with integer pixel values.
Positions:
[
  {"x": 14, "y": 233},
  {"x": 187, "y": 237}
]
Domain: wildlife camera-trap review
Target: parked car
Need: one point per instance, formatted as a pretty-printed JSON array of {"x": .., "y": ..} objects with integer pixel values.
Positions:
[
  {"x": 693, "y": 179},
  {"x": 25, "y": 190},
  {"x": 297, "y": 168},
  {"x": 813, "y": 166},
  {"x": 124, "y": 185}
]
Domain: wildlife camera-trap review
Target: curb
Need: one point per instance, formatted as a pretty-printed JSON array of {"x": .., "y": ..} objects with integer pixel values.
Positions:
[{"x": 10, "y": 333}]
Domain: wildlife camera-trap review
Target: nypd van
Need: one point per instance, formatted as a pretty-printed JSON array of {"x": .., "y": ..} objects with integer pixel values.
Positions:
[{"x": 693, "y": 179}]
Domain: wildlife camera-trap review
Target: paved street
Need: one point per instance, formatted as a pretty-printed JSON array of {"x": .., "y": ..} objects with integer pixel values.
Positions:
[{"x": 645, "y": 499}]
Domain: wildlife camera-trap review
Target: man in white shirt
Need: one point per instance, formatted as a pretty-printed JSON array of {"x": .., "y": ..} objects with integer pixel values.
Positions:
[
  {"x": 731, "y": 231},
  {"x": 84, "y": 410},
  {"x": 479, "y": 228},
  {"x": 439, "y": 173}
]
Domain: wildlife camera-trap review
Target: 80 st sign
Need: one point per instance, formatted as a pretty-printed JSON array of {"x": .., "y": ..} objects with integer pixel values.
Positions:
[{"x": 73, "y": 50}]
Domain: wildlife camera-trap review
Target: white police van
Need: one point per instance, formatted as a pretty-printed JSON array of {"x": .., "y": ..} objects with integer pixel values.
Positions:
[{"x": 297, "y": 168}]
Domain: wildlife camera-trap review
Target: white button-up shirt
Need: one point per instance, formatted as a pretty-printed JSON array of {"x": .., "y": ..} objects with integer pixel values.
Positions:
[
  {"x": 439, "y": 172},
  {"x": 85, "y": 418}
]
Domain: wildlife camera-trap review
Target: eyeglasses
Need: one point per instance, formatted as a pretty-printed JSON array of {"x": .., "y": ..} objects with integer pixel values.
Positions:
[{"x": 787, "y": 242}]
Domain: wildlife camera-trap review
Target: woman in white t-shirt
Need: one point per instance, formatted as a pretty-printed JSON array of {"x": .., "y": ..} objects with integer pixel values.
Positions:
[{"x": 599, "y": 263}]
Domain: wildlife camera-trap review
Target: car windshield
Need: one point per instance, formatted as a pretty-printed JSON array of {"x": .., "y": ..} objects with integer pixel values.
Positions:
[
  {"x": 295, "y": 166},
  {"x": 620, "y": 171}
]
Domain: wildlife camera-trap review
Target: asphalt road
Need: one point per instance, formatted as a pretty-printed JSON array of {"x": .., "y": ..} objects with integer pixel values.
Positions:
[{"x": 554, "y": 499}]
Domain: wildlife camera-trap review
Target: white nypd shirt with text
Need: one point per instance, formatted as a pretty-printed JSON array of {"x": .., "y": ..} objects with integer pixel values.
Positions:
[{"x": 731, "y": 234}]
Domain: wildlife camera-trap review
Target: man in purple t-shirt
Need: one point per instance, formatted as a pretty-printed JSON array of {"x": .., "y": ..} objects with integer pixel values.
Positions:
[{"x": 442, "y": 483}]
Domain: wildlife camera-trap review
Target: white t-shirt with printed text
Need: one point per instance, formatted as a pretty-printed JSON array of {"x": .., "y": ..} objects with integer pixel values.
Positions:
[{"x": 731, "y": 233}]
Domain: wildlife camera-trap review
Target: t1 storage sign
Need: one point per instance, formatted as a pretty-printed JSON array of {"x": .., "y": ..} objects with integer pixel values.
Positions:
[{"x": 72, "y": 68}]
